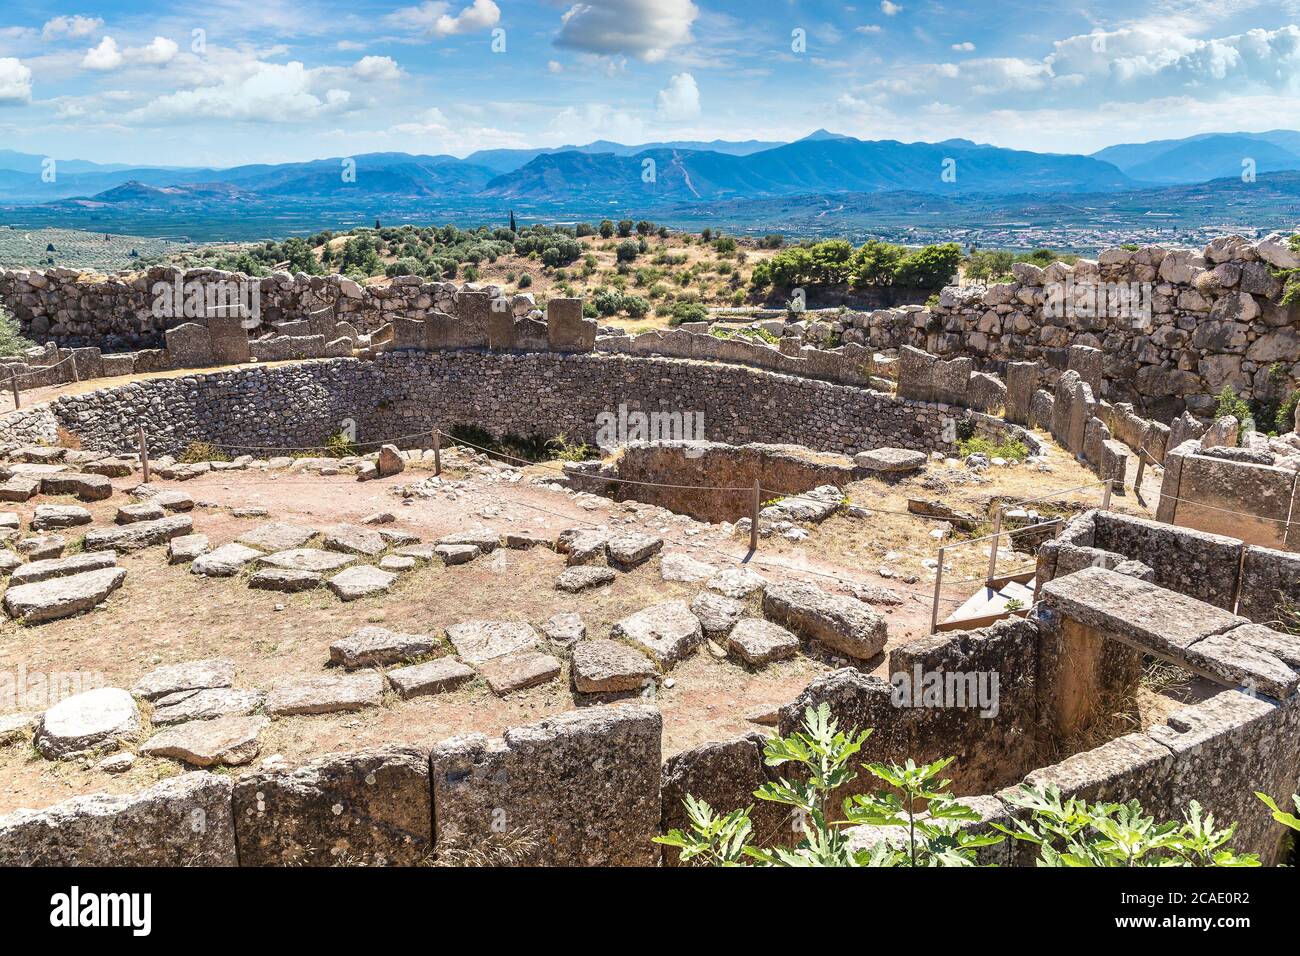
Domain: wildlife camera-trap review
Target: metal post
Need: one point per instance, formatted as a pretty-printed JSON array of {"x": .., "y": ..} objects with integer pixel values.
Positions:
[
  {"x": 993, "y": 550},
  {"x": 753, "y": 518},
  {"x": 1105, "y": 495},
  {"x": 437, "y": 452},
  {"x": 13, "y": 380},
  {"x": 938, "y": 585},
  {"x": 144, "y": 454}
]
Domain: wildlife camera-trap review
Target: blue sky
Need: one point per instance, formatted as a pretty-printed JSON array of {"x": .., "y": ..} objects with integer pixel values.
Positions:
[{"x": 221, "y": 82}]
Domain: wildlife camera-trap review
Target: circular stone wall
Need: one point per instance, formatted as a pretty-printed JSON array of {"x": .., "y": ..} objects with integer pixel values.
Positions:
[{"x": 529, "y": 394}]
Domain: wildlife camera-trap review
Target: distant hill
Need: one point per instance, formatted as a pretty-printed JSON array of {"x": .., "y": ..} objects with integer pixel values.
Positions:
[
  {"x": 1205, "y": 157},
  {"x": 508, "y": 160}
]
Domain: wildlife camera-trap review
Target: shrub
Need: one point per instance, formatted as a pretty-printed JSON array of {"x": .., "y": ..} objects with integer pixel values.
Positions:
[
  {"x": 688, "y": 312},
  {"x": 12, "y": 341},
  {"x": 199, "y": 451},
  {"x": 1012, "y": 449}
]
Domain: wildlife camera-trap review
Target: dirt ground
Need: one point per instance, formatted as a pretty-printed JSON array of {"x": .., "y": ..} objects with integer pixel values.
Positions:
[{"x": 164, "y": 614}]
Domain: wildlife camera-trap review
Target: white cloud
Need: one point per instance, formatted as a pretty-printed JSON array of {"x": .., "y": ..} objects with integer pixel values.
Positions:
[
  {"x": 868, "y": 28},
  {"x": 74, "y": 26},
  {"x": 15, "y": 82},
  {"x": 592, "y": 121},
  {"x": 646, "y": 29},
  {"x": 269, "y": 92},
  {"x": 680, "y": 100},
  {"x": 555, "y": 66},
  {"x": 890, "y": 9},
  {"x": 106, "y": 56},
  {"x": 433, "y": 18},
  {"x": 966, "y": 47},
  {"x": 377, "y": 69},
  {"x": 160, "y": 50}
]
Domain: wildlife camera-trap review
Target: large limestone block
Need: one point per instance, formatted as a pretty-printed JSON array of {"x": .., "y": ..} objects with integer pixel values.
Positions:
[
  {"x": 842, "y": 624},
  {"x": 138, "y": 535},
  {"x": 567, "y": 330},
  {"x": 669, "y": 632},
  {"x": 61, "y": 597},
  {"x": 90, "y": 721}
]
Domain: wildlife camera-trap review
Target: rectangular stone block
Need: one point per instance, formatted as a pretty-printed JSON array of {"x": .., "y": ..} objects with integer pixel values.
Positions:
[
  {"x": 1270, "y": 583},
  {"x": 1246, "y": 500},
  {"x": 1087, "y": 361},
  {"x": 501, "y": 325},
  {"x": 577, "y": 789},
  {"x": 1200, "y": 565},
  {"x": 473, "y": 309},
  {"x": 1022, "y": 382},
  {"x": 409, "y": 333},
  {"x": 567, "y": 330},
  {"x": 188, "y": 346},
  {"x": 952, "y": 381},
  {"x": 122, "y": 363},
  {"x": 916, "y": 372},
  {"x": 1041, "y": 409},
  {"x": 89, "y": 362},
  {"x": 229, "y": 340}
]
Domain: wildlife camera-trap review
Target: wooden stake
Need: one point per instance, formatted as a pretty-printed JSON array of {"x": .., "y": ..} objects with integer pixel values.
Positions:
[
  {"x": 993, "y": 551},
  {"x": 76, "y": 377},
  {"x": 144, "y": 454},
  {"x": 753, "y": 518},
  {"x": 13, "y": 380},
  {"x": 437, "y": 452},
  {"x": 938, "y": 585},
  {"x": 1105, "y": 496}
]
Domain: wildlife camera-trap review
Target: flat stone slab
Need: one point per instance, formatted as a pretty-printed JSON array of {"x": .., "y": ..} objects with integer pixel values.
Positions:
[
  {"x": 582, "y": 546},
  {"x": 92, "y": 721},
  {"x": 19, "y": 488},
  {"x": 877, "y": 594},
  {"x": 668, "y": 632},
  {"x": 603, "y": 666},
  {"x": 326, "y": 694},
  {"x": 20, "y": 726},
  {"x": 633, "y": 548},
  {"x": 188, "y": 675},
  {"x": 811, "y": 507},
  {"x": 53, "y": 517},
  {"x": 354, "y": 539},
  {"x": 142, "y": 511},
  {"x": 737, "y": 583},
  {"x": 372, "y": 646},
  {"x": 352, "y": 584},
  {"x": 431, "y": 677},
  {"x": 485, "y": 539},
  {"x": 758, "y": 642},
  {"x": 307, "y": 559},
  {"x": 186, "y": 548},
  {"x": 397, "y": 538},
  {"x": 685, "y": 569},
  {"x": 174, "y": 502},
  {"x": 85, "y": 487},
  {"x": 890, "y": 460},
  {"x": 9, "y": 561},
  {"x": 277, "y": 536},
  {"x": 477, "y": 642},
  {"x": 62, "y": 567},
  {"x": 453, "y": 554},
  {"x": 1247, "y": 657},
  {"x": 229, "y": 741},
  {"x": 421, "y": 552},
  {"x": 10, "y": 521},
  {"x": 841, "y": 623},
  {"x": 522, "y": 541},
  {"x": 62, "y": 597},
  {"x": 565, "y": 628},
  {"x": 519, "y": 671},
  {"x": 189, "y": 705},
  {"x": 396, "y": 563},
  {"x": 140, "y": 534},
  {"x": 225, "y": 562},
  {"x": 583, "y": 577},
  {"x": 44, "y": 546},
  {"x": 284, "y": 580},
  {"x": 718, "y": 613}
]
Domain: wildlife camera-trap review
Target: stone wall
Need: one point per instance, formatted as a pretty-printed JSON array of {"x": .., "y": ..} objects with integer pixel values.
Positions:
[{"x": 408, "y": 393}]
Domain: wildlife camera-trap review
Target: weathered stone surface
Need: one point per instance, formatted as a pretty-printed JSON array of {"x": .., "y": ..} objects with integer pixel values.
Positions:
[
  {"x": 373, "y": 646},
  {"x": 60, "y": 597},
  {"x": 390, "y": 461},
  {"x": 85, "y": 487},
  {"x": 685, "y": 569},
  {"x": 182, "y": 821},
  {"x": 519, "y": 671},
  {"x": 52, "y": 517},
  {"x": 564, "y": 628},
  {"x": 431, "y": 677},
  {"x": 583, "y": 577},
  {"x": 18, "y": 727},
  {"x": 454, "y": 554},
  {"x": 141, "y": 534},
  {"x": 484, "y": 539},
  {"x": 42, "y": 547},
  {"x": 189, "y": 345},
  {"x": 1250, "y": 656},
  {"x": 284, "y": 580},
  {"x": 90, "y": 721},
  {"x": 307, "y": 559},
  {"x": 230, "y": 740},
  {"x": 370, "y": 807},
  {"x": 396, "y": 563},
  {"x": 668, "y": 632},
  {"x": 189, "y": 705},
  {"x": 566, "y": 329},
  {"x": 354, "y": 539},
  {"x": 582, "y": 788},
  {"x": 477, "y": 642},
  {"x": 842, "y": 624},
  {"x": 277, "y": 536},
  {"x": 629, "y": 549},
  {"x": 225, "y": 562},
  {"x": 61, "y": 567},
  {"x": 758, "y": 642},
  {"x": 19, "y": 488},
  {"x": 737, "y": 583},
  {"x": 877, "y": 594},
  {"x": 327, "y": 694},
  {"x": 523, "y": 541},
  {"x": 582, "y": 545},
  {"x": 603, "y": 666},
  {"x": 890, "y": 460},
  {"x": 189, "y": 675},
  {"x": 717, "y": 613},
  {"x": 364, "y": 580},
  {"x": 143, "y": 511}
]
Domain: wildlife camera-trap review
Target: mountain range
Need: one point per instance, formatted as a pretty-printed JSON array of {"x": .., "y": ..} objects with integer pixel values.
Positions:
[{"x": 646, "y": 177}]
